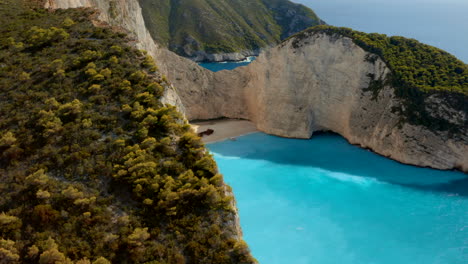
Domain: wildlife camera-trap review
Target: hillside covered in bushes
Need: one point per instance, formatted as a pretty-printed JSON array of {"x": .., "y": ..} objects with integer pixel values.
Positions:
[
  {"x": 93, "y": 167},
  {"x": 224, "y": 26}
]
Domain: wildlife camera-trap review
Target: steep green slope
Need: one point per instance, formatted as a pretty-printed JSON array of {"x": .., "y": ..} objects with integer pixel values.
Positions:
[
  {"x": 420, "y": 74},
  {"x": 93, "y": 168},
  {"x": 223, "y": 26}
]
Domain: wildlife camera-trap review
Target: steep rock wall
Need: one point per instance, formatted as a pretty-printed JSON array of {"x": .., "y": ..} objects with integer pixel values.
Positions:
[{"x": 320, "y": 84}]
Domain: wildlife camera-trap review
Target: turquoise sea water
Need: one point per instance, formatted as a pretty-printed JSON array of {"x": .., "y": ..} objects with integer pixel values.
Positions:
[{"x": 324, "y": 201}]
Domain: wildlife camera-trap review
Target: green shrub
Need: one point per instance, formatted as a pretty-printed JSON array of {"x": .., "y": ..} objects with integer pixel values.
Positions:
[{"x": 91, "y": 163}]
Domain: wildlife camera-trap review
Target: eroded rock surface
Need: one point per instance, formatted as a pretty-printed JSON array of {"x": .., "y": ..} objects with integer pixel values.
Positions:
[{"x": 320, "y": 84}]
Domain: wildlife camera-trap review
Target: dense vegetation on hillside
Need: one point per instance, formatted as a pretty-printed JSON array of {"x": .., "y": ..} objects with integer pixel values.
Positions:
[
  {"x": 419, "y": 72},
  {"x": 223, "y": 26},
  {"x": 93, "y": 168}
]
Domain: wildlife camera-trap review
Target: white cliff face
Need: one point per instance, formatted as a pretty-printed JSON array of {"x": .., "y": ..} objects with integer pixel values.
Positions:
[
  {"x": 294, "y": 91},
  {"x": 319, "y": 86},
  {"x": 315, "y": 87}
]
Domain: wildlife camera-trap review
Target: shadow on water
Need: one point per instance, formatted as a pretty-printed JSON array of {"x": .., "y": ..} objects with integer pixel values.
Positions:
[
  {"x": 333, "y": 153},
  {"x": 455, "y": 187}
]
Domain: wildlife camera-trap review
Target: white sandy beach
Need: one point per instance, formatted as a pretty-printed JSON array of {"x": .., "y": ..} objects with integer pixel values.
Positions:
[{"x": 224, "y": 129}]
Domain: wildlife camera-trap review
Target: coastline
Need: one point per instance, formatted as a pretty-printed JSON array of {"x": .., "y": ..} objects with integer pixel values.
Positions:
[
  {"x": 246, "y": 59},
  {"x": 203, "y": 57},
  {"x": 224, "y": 129}
]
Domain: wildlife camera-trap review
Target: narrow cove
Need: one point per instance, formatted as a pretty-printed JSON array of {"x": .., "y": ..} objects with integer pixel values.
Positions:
[
  {"x": 325, "y": 201},
  {"x": 226, "y": 65}
]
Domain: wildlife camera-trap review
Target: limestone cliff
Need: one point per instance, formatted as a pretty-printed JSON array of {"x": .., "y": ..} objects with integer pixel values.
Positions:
[
  {"x": 295, "y": 89},
  {"x": 320, "y": 84}
]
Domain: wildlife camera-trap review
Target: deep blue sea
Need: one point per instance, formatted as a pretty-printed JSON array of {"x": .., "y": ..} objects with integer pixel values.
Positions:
[
  {"x": 324, "y": 201},
  {"x": 440, "y": 23}
]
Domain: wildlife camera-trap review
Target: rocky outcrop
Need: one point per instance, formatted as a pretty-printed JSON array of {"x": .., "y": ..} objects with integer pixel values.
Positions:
[
  {"x": 300, "y": 87},
  {"x": 319, "y": 84}
]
